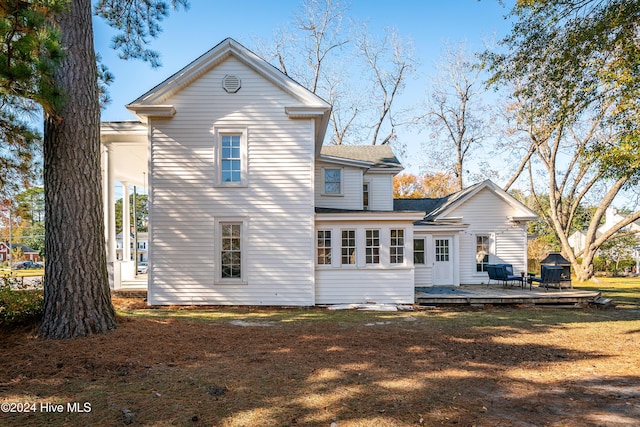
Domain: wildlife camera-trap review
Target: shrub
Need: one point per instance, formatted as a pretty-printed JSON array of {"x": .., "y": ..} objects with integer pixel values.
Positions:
[{"x": 18, "y": 305}]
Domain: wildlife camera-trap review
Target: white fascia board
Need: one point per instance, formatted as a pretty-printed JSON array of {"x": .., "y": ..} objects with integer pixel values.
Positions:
[
  {"x": 345, "y": 162},
  {"x": 306, "y": 112},
  {"x": 146, "y": 111},
  {"x": 125, "y": 132},
  {"x": 408, "y": 216},
  {"x": 429, "y": 229},
  {"x": 448, "y": 220},
  {"x": 522, "y": 218},
  {"x": 383, "y": 171}
]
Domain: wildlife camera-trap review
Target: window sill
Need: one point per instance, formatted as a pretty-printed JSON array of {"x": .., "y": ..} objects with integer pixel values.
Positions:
[
  {"x": 332, "y": 194},
  {"x": 230, "y": 282},
  {"x": 231, "y": 185}
]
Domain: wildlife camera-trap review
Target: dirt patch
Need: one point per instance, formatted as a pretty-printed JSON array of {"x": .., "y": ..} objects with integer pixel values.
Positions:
[{"x": 264, "y": 367}]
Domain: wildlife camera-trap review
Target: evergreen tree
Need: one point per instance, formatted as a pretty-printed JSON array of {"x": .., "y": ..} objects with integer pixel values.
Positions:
[{"x": 48, "y": 58}]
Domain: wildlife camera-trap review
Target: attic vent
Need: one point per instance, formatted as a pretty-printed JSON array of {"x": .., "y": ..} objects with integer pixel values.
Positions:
[{"x": 231, "y": 83}]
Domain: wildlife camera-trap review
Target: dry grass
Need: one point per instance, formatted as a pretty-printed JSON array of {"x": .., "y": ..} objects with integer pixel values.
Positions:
[{"x": 285, "y": 367}]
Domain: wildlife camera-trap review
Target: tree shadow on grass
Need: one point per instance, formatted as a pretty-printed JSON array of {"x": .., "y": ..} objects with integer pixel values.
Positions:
[{"x": 378, "y": 371}]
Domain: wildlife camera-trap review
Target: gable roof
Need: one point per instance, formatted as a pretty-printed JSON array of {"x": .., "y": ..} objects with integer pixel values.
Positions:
[
  {"x": 436, "y": 209},
  {"x": 152, "y": 102},
  {"x": 377, "y": 156},
  {"x": 24, "y": 248}
]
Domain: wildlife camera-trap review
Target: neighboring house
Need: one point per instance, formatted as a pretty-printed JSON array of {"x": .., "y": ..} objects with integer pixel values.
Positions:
[
  {"x": 143, "y": 246},
  {"x": 248, "y": 207},
  {"x": 463, "y": 232},
  {"x": 28, "y": 254},
  {"x": 578, "y": 239}
]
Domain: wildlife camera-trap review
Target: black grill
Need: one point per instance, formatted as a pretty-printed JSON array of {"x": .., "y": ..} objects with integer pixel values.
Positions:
[{"x": 556, "y": 259}]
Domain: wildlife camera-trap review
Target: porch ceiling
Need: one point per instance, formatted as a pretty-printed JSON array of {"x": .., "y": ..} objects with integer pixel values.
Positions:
[
  {"x": 130, "y": 162},
  {"x": 127, "y": 143}
]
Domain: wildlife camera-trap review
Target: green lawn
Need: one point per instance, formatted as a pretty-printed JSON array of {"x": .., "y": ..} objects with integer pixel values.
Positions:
[
  {"x": 623, "y": 290},
  {"x": 5, "y": 272}
]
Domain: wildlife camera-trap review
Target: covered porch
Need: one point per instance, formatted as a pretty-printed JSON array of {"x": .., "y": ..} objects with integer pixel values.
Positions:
[{"x": 125, "y": 160}]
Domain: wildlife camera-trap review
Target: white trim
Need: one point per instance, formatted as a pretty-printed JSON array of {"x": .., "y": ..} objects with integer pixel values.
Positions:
[
  {"x": 244, "y": 231},
  {"x": 492, "y": 250},
  {"x": 378, "y": 216},
  {"x": 356, "y": 252},
  {"x": 317, "y": 247},
  {"x": 424, "y": 250},
  {"x": 362, "y": 164},
  {"x": 403, "y": 246},
  {"x": 243, "y": 131},
  {"x": 324, "y": 182},
  {"x": 378, "y": 246},
  {"x": 369, "y": 193}
]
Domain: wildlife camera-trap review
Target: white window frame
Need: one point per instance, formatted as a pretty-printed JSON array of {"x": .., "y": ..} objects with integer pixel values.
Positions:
[
  {"x": 366, "y": 190},
  {"x": 423, "y": 251},
  {"x": 324, "y": 247},
  {"x": 219, "y": 222},
  {"x": 442, "y": 253},
  {"x": 372, "y": 252},
  {"x": 354, "y": 256},
  {"x": 491, "y": 239},
  {"x": 324, "y": 181},
  {"x": 399, "y": 248},
  {"x": 244, "y": 169}
]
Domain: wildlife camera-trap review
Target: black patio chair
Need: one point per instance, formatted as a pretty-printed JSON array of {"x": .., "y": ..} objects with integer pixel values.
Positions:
[
  {"x": 491, "y": 271},
  {"x": 549, "y": 275},
  {"x": 509, "y": 276}
]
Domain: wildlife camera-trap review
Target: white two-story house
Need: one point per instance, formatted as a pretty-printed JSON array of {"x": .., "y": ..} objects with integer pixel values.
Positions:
[{"x": 246, "y": 205}]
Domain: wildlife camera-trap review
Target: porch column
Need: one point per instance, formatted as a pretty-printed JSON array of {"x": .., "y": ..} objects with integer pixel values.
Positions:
[
  {"x": 126, "y": 223},
  {"x": 105, "y": 186},
  {"x": 111, "y": 204}
]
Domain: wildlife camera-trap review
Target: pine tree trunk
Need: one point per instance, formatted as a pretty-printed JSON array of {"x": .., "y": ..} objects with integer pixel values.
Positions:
[{"x": 76, "y": 289}]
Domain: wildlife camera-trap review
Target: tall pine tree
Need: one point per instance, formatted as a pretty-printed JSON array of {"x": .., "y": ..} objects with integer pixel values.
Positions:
[{"x": 48, "y": 46}]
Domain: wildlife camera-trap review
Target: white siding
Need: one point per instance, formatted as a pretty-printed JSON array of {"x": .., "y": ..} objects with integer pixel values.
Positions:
[
  {"x": 380, "y": 191},
  {"x": 344, "y": 286},
  {"x": 487, "y": 213},
  {"x": 351, "y": 197},
  {"x": 381, "y": 283},
  {"x": 276, "y": 205},
  {"x": 423, "y": 275}
]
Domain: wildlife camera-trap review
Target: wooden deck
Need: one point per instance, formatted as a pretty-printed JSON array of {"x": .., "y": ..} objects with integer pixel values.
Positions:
[
  {"x": 480, "y": 294},
  {"x": 448, "y": 295}
]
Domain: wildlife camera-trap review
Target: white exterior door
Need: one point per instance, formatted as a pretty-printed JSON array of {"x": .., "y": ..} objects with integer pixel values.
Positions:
[{"x": 443, "y": 262}]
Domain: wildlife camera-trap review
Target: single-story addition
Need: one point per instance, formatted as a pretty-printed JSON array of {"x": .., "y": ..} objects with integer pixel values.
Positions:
[
  {"x": 463, "y": 232},
  {"x": 247, "y": 207}
]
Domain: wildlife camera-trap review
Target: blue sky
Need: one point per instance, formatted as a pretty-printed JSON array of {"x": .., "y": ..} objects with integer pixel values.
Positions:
[{"x": 188, "y": 34}]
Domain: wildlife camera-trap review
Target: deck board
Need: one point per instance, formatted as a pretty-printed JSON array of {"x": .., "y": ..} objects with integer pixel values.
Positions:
[{"x": 479, "y": 294}]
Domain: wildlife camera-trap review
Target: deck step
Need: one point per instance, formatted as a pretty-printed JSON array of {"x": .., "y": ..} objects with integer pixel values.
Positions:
[{"x": 604, "y": 302}]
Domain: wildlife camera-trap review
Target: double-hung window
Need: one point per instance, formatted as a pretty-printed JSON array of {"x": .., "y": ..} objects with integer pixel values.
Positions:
[
  {"x": 372, "y": 246},
  {"x": 348, "y": 247},
  {"x": 230, "y": 160},
  {"x": 365, "y": 196},
  {"x": 396, "y": 248},
  {"x": 332, "y": 182},
  {"x": 230, "y": 251},
  {"x": 324, "y": 247},
  {"x": 231, "y": 153},
  {"x": 483, "y": 246},
  {"x": 418, "y": 251}
]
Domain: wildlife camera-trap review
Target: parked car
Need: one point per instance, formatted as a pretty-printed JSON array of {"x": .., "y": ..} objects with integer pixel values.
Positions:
[
  {"x": 28, "y": 265},
  {"x": 143, "y": 267}
]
